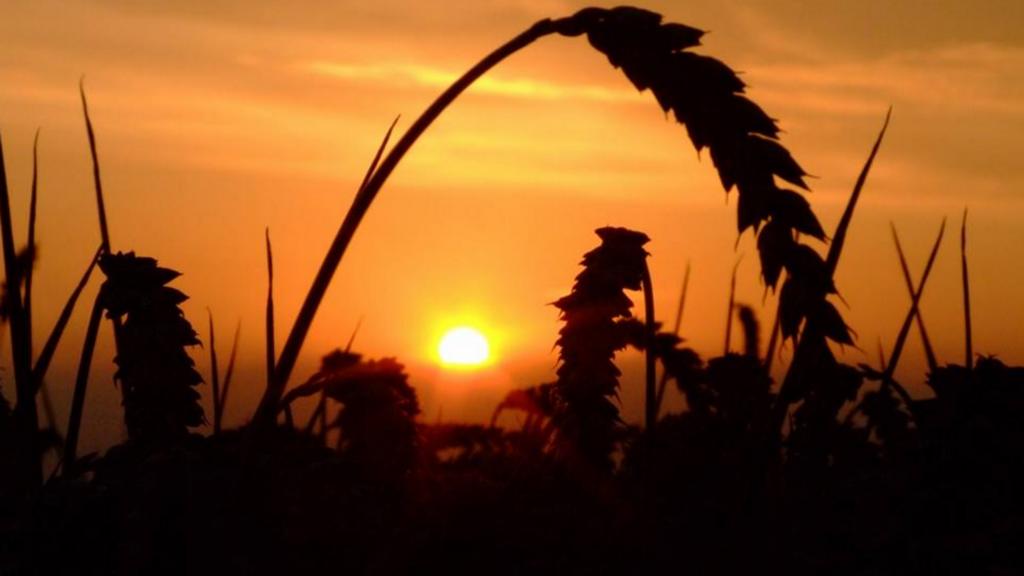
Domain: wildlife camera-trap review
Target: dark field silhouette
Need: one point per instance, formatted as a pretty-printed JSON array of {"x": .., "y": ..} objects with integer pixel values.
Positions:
[{"x": 835, "y": 469}]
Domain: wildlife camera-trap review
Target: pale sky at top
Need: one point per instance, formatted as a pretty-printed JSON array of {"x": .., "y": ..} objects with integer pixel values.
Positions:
[{"x": 216, "y": 119}]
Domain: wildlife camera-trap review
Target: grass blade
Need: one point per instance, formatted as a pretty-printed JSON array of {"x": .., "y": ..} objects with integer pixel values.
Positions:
[
  {"x": 100, "y": 206},
  {"x": 773, "y": 342},
  {"x": 881, "y": 351},
  {"x": 800, "y": 356},
  {"x": 928, "y": 350},
  {"x": 46, "y": 356},
  {"x": 650, "y": 359},
  {"x": 732, "y": 304},
  {"x": 901, "y": 338},
  {"x": 25, "y": 413},
  {"x": 968, "y": 341},
  {"x": 663, "y": 385},
  {"x": 380, "y": 152},
  {"x": 228, "y": 374},
  {"x": 682, "y": 300},
  {"x": 214, "y": 375},
  {"x": 81, "y": 383},
  {"x": 104, "y": 231},
  {"x": 839, "y": 238},
  {"x": 271, "y": 347},
  {"x": 31, "y": 239},
  {"x": 51, "y": 417}
]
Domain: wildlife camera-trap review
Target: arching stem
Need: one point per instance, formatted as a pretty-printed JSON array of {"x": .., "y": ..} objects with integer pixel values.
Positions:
[{"x": 364, "y": 198}]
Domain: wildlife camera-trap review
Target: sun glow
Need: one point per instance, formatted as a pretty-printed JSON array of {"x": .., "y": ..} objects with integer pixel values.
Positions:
[{"x": 463, "y": 347}]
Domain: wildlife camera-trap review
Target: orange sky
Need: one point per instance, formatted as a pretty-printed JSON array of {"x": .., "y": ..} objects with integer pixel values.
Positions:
[{"x": 214, "y": 122}]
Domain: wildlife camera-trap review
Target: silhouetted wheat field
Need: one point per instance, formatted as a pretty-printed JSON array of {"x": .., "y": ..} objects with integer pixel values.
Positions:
[{"x": 833, "y": 469}]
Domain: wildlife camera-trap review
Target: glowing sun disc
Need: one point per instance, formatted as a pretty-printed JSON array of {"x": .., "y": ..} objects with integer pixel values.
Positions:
[{"x": 463, "y": 346}]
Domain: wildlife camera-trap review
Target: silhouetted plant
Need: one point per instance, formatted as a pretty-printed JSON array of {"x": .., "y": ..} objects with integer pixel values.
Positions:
[
  {"x": 588, "y": 380},
  {"x": 703, "y": 94},
  {"x": 461, "y": 445},
  {"x": 376, "y": 422},
  {"x": 157, "y": 376}
]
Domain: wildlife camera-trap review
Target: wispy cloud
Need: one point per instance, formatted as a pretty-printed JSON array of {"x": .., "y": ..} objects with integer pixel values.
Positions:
[
  {"x": 431, "y": 77},
  {"x": 980, "y": 78}
]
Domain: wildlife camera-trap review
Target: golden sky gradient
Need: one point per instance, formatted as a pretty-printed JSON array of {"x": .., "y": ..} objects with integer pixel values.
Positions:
[{"x": 218, "y": 119}]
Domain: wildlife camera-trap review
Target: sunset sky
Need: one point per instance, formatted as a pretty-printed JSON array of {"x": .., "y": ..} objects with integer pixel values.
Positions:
[{"x": 217, "y": 119}]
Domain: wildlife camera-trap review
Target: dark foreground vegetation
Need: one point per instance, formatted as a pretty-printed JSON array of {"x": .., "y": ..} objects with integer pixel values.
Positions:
[{"x": 833, "y": 470}]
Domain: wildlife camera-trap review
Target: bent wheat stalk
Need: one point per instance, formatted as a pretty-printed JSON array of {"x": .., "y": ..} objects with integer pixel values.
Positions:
[{"x": 741, "y": 137}]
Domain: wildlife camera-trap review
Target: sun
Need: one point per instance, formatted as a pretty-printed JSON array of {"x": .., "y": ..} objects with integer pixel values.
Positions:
[{"x": 463, "y": 347}]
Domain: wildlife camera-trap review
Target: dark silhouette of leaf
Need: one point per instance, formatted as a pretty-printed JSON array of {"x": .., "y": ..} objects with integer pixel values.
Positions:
[
  {"x": 775, "y": 244},
  {"x": 832, "y": 323},
  {"x": 793, "y": 210}
]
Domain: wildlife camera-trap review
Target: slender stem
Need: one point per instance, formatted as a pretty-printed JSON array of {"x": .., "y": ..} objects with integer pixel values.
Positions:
[
  {"x": 812, "y": 333},
  {"x": 81, "y": 383},
  {"x": 968, "y": 344},
  {"x": 31, "y": 240},
  {"x": 228, "y": 374},
  {"x": 271, "y": 346},
  {"x": 650, "y": 397},
  {"x": 663, "y": 385},
  {"x": 290, "y": 352},
  {"x": 100, "y": 207},
  {"x": 773, "y": 342},
  {"x": 214, "y": 375},
  {"x": 104, "y": 232},
  {"x": 50, "y": 347},
  {"x": 732, "y": 305},
  {"x": 836, "y": 248},
  {"x": 26, "y": 415}
]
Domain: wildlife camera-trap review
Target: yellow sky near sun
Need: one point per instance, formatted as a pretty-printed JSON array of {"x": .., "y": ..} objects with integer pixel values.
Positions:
[{"x": 217, "y": 119}]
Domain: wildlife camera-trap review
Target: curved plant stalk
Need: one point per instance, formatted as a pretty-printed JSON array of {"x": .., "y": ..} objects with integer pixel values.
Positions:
[
  {"x": 266, "y": 410},
  {"x": 741, "y": 137}
]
